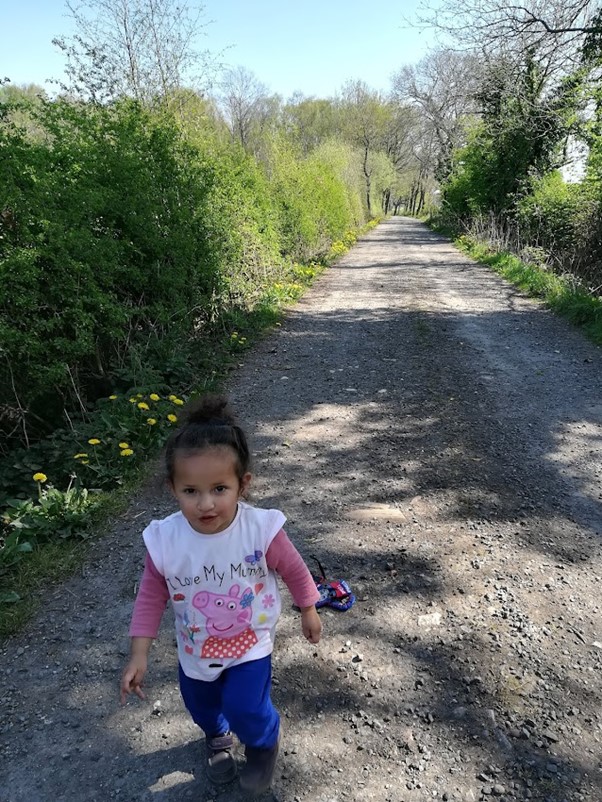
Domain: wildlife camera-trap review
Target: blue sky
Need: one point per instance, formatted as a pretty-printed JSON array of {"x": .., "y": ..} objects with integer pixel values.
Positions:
[{"x": 312, "y": 46}]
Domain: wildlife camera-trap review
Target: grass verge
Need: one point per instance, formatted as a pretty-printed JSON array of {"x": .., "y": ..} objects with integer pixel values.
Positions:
[
  {"x": 56, "y": 560},
  {"x": 562, "y": 294}
]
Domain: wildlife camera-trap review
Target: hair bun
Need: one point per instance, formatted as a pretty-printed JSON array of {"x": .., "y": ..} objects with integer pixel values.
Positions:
[{"x": 211, "y": 409}]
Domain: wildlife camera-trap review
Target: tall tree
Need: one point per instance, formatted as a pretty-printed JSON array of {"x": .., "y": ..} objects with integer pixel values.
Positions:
[
  {"x": 443, "y": 86},
  {"x": 145, "y": 49},
  {"x": 311, "y": 121},
  {"x": 520, "y": 136},
  {"x": 246, "y": 104},
  {"x": 18, "y": 105},
  {"x": 366, "y": 116}
]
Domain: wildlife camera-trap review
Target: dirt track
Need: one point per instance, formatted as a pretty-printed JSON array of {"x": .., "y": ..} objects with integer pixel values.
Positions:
[{"x": 434, "y": 438}]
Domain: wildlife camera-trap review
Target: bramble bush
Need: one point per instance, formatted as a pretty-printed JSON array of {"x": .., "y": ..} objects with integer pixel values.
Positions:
[
  {"x": 241, "y": 228},
  {"x": 123, "y": 234},
  {"x": 563, "y": 220}
]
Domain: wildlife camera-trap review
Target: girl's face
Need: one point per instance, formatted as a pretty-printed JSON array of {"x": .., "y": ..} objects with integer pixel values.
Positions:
[{"x": 207, "y": 488}]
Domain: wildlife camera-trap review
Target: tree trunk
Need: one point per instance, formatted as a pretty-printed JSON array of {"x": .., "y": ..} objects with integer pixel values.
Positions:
[
  {"x": 420, "y": 200},
  {"x": 367, "y": 176},
  {"x": 413, "y": 195},
  {"x": 386, "y": 200}
]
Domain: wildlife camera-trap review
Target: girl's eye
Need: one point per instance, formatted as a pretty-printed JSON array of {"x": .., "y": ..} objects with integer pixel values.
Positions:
[{"x": 220, "y": 488}]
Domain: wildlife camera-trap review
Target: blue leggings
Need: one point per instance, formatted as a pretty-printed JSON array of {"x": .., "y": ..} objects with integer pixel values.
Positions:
[{"x": 238, "y": 700}]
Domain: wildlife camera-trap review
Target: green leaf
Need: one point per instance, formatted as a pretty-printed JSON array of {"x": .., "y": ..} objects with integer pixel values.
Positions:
[{"x": 9, "y": 597}]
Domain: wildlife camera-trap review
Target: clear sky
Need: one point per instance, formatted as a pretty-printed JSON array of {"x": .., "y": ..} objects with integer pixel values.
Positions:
[{"x": 312, "y": 46}]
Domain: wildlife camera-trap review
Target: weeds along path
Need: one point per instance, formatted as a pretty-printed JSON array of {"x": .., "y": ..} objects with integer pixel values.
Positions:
[{"x": 434, "y": 438}]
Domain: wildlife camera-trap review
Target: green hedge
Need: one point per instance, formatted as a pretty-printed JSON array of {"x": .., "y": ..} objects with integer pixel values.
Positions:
[
  {"x": 127, "y": 232},
  {"x": 101, "y": 246}
]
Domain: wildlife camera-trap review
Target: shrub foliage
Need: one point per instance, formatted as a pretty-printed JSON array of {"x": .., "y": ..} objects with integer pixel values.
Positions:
[
  {"x": 123, "y": 235},
  {"x": 139, "y": 247}
]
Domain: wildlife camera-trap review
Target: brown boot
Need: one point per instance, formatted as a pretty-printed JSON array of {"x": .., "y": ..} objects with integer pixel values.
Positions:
[
  {"x": 221, "y": 766},
  {"x": 256, "y": 777}
]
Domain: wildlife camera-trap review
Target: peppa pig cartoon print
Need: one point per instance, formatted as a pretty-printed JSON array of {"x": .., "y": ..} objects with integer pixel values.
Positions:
[{"x": 228, "y": 622}]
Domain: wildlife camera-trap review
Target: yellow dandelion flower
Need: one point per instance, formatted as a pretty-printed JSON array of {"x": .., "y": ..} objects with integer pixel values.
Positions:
[
  {"x": 85, "y": 462},
  {"x": 142, "y": 405},
  {"x": 178, "y": 401},
  {"x": 40, "y": 477},
  {"x": 132, "y": 400},
  {"x": 172, "y": 397},
  {"x": 79, "y": 456},
  {"x": 151, "y": 421},
  {"x": 112, "y": 397},
  {"x": 127, "y": 452},
  {"x": 124, "y": 445},
  {"x": 154, "y": 397},
  {"x": 139, "y": 395},
  {"x": 94, "y": 441},
  {"x": 172, "y": 418}
]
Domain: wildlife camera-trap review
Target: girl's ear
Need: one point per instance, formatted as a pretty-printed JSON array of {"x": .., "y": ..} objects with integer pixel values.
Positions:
[{"x": 244, "y": 485}]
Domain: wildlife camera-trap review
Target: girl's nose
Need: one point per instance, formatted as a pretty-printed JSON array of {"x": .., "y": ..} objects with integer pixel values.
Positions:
[{"x": 205, "y": 501}]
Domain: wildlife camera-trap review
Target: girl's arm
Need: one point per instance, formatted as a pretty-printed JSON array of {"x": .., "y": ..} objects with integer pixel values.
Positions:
[
  {"x": 284, "y": 558},
  {"x": 148, "y": 609},
  {"x": 150, "y": 603}
]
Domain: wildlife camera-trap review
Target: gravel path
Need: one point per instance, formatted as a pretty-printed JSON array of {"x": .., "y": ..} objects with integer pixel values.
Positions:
[{"x": 434, "y": 437}]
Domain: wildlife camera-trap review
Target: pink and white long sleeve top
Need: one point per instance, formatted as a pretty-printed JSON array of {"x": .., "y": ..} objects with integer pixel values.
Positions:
[{"x": 222, "y": 587}]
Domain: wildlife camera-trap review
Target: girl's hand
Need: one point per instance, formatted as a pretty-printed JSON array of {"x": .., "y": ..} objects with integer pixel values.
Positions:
[
  {"x": 131, "y": 679},
  {"x": 311, "y": 624}
]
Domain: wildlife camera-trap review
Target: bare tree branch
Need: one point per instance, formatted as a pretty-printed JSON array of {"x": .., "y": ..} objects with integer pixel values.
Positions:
[
  {"x": 243, "y": 99},
  {"x": 144, "y": 49},
  {"x": 443, "y": 86},
  {"x": 554, "y": 29}
]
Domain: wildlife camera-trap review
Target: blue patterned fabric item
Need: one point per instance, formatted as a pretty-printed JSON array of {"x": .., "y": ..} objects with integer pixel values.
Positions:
[{"x": 336, "y": 594}]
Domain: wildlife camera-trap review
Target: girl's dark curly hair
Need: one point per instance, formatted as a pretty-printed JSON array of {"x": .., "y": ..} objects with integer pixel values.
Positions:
[{"x": 208, "y": 423}]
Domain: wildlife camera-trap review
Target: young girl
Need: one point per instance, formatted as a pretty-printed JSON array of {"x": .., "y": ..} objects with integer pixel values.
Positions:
[{"x": 216, "y": 559}]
